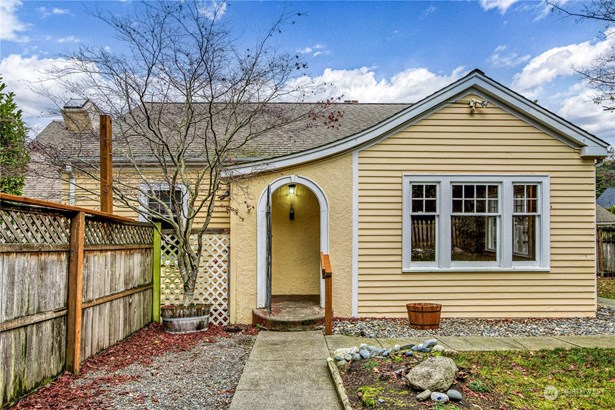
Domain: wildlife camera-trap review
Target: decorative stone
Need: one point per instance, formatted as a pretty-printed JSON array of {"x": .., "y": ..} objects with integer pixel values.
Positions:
[
  {"x": 437, "y": 348},
  {"x": 341, "y": 352},
  {"x": 429, "y": 343},
  {"x": 420, "y": 348},
  {"x": 385, "y": 353},
  {"x": 342, "y": 363},
  {"x": 356, "y": 356},
  {"x": 396, "y": 348},
  {"x": 338, "y": 357},
  {"x": 377, "y": 352},
  {"x": 435, "y": 373},
  {"x": 348, "y": 357},
  {"x": 409, "y": 353},
  {"x": 354, "y": 350},
  {"x": 423, "y": 395},
  {"x": 408, "y": 346},
  {"x": 364, "y": 354},
  {"x": 363, "y": 346},
  {"x": 439, "y": 397},
  {"x": 454, "y": 395},
  {"x": 381, "y": 401}
]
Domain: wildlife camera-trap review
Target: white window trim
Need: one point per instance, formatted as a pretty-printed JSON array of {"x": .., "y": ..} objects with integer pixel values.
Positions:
[
  {"x": 161, "y": 186},
  {"x": 443, "y": 251}
]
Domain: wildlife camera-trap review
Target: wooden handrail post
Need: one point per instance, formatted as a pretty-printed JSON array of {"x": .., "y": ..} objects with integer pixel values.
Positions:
[
  {"x": 75, "y": 293},
  {"x": 106, "y": 165},
  {"x": 327, "y": 273},
  {"x": 156, "y": 255}
]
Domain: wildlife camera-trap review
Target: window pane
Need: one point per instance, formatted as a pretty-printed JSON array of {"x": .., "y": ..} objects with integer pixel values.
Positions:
[
  {"x": 493, "y": 191},
  {"x": 519, "y": 205},
  {"x": 457, "y": 205},
  {"x": 524, "y": 238},
  {"x": 468, "y": 205},
  {"x": 519, "y": 191},
  {"x": 531, "y": 205},
  {"x": 493, "y": 205},
  {"x": 417, "y": 191},
  {"x": 430, "y": 205},
  {"x": 417, "y": 205},
  {"x": 423, "y": 238},
  {"x": 430, "y": 191},
  {"x": 468, "y": 191},
  {"x": 472, "y": 238},
  {"x": 458, "y": 191},
  {"x": 531, "y": 191},
  {"x": 481, "y": 191},
  {"x": 481, "y": 206}
]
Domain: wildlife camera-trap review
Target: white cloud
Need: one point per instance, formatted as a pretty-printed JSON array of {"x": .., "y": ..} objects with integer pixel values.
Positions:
[
  {"x": 429, "y": 10},
  {"x": 558, "y": 62},
  {"x": 501, "y": 5},
  {"x": 501, "y": 59},
  {"x": 10, "y": 26},
  {"x": 315, "y": 50},
  {"x": 580, "y": 109},
  {"x": 214, "y": 9},
  {"x": 360, "y": 84},
  {"x": 68, "y": 39},
  {"x": 45, "y": 12},
  {"x": 22, "y": 75}
]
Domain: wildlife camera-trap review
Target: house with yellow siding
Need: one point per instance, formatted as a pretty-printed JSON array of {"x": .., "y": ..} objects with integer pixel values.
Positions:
[{"x": 475, "y": 198}]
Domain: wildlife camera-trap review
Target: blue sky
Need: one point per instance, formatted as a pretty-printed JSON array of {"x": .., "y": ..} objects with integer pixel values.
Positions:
[{"x": 371, "y": 51}]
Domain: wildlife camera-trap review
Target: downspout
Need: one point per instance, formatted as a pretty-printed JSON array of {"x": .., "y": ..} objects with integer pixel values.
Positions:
[{"x": 71, "y": 185}]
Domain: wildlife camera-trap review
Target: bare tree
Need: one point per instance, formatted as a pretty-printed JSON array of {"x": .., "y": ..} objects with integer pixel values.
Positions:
[
  {"x": 601, "y": 74},
  {"x": 185, "y": 98}
]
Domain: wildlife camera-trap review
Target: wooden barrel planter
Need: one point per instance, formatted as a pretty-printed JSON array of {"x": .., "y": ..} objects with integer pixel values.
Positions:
[
  {"x": 424, "y": 315},
  {"x": 185, "y": 319}
]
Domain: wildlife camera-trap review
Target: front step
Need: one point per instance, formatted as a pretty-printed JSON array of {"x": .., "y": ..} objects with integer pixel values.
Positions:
[
  {"x": 291, "y": 312},
  {"x": 262, "y": 318}
]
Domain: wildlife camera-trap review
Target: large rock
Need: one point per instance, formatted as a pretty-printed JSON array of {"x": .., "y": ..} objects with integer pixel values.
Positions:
[{"x": 435, "y": 374}]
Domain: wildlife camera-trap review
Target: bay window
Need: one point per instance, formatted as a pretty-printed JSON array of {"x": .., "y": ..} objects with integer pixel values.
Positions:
[{"x": 472, "y": 222}]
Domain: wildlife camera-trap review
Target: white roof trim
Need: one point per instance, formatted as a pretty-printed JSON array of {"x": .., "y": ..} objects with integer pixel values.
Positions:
[{"x": 591, "y": 146}]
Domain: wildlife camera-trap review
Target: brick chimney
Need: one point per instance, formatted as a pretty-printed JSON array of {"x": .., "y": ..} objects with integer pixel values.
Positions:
[{"x": 80, "y": 115}]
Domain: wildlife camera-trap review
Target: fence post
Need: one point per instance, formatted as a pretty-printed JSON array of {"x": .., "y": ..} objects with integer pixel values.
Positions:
[
  {"x": 75, "y": 293},
  {"x": 156, "y": 273}
]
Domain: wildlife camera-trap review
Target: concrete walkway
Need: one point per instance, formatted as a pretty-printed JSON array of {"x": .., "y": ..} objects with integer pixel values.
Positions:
[
  {"x": 480, "y": 343},
  {"x": 287, "y": 370}
]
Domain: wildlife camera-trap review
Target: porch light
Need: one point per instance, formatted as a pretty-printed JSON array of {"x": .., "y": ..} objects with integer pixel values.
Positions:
[{"x": 291, "y": 189}]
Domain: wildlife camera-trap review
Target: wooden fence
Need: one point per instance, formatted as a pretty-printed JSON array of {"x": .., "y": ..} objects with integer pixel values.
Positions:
[
  {"x": 72, "y": 282},
  {"x": 605, "y": 248}
]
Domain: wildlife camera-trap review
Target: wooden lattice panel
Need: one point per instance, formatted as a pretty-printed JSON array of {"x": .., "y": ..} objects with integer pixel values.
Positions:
[
  {"x": 212, "y": 281},
  {"x": 22, "y": 226},
  {"x": 112, "y": 233}
]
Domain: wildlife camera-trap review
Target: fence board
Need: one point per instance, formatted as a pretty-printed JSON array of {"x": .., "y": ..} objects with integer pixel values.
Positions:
[
  {"x": 34, "y": 266},
  {"x": 605, "y": 237}
]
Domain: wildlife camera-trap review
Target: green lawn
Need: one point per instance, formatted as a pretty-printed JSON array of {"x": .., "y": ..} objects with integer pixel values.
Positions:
[
  {"x": 606, "y": 288},
  {"x": 581, "y": 378}
]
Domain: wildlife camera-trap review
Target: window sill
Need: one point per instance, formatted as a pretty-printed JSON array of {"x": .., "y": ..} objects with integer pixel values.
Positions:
[{"x": 427, "y": 269}]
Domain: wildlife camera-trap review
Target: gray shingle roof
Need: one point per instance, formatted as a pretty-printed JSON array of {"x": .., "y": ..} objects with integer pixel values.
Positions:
[
  {"x": 607, "y": 199},
  {"x": 298, "y": 137},
  {"x": 603, "y": 216}
]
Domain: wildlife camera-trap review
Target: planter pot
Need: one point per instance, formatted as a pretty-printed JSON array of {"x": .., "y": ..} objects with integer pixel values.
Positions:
[
  {"x": 424, "y": 315},
  {"x": 185, "y": 319}
]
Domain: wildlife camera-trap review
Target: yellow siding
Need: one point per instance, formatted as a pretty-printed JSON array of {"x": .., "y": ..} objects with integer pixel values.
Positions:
[
  {"x": 87, "y": 195},
  {"x": 491, "y": 141}
]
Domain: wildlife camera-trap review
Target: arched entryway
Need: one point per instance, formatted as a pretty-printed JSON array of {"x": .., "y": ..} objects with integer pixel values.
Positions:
[{"x": 297, "y": 242}]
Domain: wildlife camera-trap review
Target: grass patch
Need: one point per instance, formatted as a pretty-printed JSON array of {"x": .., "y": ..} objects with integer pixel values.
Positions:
[
  {"x": 555, "y": 379},
  {"x": 579, "y": 378},
  {"x": 606, "y": 288}
]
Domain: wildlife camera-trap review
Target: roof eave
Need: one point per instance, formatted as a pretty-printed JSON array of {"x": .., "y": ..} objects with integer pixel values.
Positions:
[{"x": 590, "y": 145}]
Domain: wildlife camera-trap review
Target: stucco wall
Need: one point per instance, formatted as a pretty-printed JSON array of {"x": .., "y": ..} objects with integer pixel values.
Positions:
[
  {"x": 296, "y": 243},
  {"x": 334, "y": 176}
]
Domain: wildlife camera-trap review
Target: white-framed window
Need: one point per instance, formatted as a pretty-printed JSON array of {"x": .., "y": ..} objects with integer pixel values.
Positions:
[
  {"x": 155, "y": 198},
  {"x": 475, "y": 222}
]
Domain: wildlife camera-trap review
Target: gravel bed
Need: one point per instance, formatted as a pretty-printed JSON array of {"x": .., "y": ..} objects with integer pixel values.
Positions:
[
  {"x": 204, "y": 377},
  {"x": 603, "y": 324}
]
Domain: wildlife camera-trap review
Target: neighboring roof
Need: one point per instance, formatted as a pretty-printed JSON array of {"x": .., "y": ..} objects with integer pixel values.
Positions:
[
  {"x": 607, "y": 199},
  {"x": 291, "y": 139},
  {"x": 76, "y": 103},
  {"x": 476, "y": 82},
  {"x": 604, "y": 217}
]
